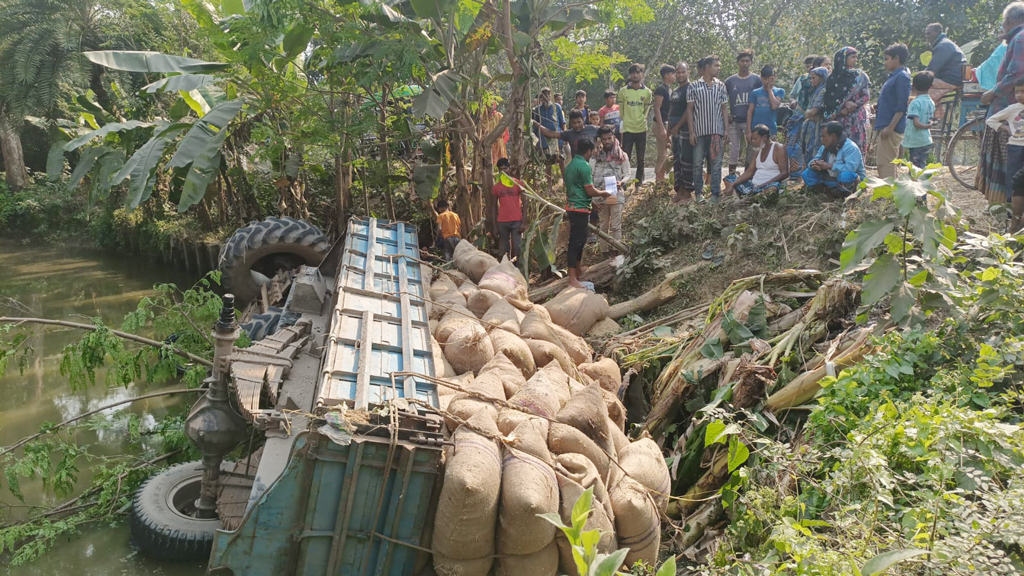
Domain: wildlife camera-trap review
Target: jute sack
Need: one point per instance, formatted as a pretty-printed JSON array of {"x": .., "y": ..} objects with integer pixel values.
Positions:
[
  {"x": 528, "y": 488},
  {"x": 616, "y": 410},
  {"x": 577, "y": 309},
  {"x": 643, "y": 462},
  {"x": 637, "y": 524},
  {"x": 545, "y": 352},
  {"x": 480, "y": 301},
  {"x": 472, "y": 262},
  {"x": 581, "y": 470},
  {"x": 570, "y": 492},
  {"x": 605, "y": 328},
  {"x": 619, "y": 441},
  {"x": 505, "y": 279},
  {"x": 465, "y": 406},
  {"x": 560, "y": 382},
  {"x": 504, "y": 370},
  {"x": 446, "y": 301},
  {"x": 456, "y": 318},
  {"x": 575, "y": 346},
  {"x": 534, "y": 326},
  {"x": 587, "y": 412},
  {"x": 605, "y": 372},
  {"x": 467, "y": 289},
  {"x": 515, "y": 349},
  {"x": 442, "y": 369},
  {"x": 502, "y": 316},
  {"x": 467, "y": 509},
  {"x": 457, "y": 277},
  {"x": 538, "y": 397},
  {"x": 469, "y": 348},
  {"x": 542, "y": 563},
  {"x": 440, "y": 286},
  {"x": 564, "y": 439}
]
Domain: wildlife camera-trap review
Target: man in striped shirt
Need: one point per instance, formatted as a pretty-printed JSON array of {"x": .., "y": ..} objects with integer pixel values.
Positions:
[{"x": 707, "y": 115}]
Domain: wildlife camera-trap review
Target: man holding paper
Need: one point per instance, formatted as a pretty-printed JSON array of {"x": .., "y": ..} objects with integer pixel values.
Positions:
[{"x": 611, "y": 174}]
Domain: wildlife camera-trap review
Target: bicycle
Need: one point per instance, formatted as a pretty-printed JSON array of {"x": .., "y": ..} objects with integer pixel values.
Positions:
[{"x": 964, "y": 152}]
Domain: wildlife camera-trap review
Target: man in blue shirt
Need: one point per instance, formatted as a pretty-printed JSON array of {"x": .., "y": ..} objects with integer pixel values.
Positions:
[
  {"x": 891, "y": 115},
  {"x": 765, "y": 102},
  {"x": 838, "y": 167}
]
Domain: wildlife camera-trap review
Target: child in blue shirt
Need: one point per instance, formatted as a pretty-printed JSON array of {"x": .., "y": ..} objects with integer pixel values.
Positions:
[
  {"x": 765, "y": 102},
  {"x": 918, "y": 137}
]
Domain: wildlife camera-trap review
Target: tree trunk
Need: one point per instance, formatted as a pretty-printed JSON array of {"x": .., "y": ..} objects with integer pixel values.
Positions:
[
  {"x": 13, "y": 154},
  {"x": 343, "y": 188},
  {"x": 463, "y": 198}
]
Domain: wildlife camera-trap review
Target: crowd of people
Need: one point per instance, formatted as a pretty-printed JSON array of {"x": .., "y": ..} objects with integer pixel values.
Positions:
[{"x": 817, "y": 132}]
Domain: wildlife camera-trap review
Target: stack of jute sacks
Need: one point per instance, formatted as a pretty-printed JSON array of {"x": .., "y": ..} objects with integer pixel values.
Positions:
[{"x": 539, "y": 423}]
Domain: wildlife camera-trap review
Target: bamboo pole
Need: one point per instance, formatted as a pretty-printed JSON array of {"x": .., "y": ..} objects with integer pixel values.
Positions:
[{"x": 118, "y": 333}]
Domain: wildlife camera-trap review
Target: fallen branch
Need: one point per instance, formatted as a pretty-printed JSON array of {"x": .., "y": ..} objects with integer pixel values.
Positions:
[
  {"x": 118, "y": 333},
  {"x": 697, "y": 524},
  {"x": 49, "y": 429},
  {"x": 664, "y": 292},
  {"x": 805, "y": 386},
  {"x": 601, "y": 273}
]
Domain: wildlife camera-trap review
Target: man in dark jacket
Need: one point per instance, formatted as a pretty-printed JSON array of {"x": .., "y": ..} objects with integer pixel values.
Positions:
[{"x": 947, "y": 62}]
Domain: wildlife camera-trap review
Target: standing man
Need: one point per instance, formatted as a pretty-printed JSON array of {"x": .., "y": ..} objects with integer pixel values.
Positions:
[
  {"x": 577, "y": 132},
  {"x": 764, "y": 104},
  {"x": 610, "y": 114},
  {"x": 508, "y": 192},
  {"x": 740, "y": 86},
  {"x": 635, "y": 100},
  {"x": 581, "y": 105},
  {"x": 707, "y": 112},
  {"x": 947, "y": 62},
  {"x": 891, "y": 114},
  {"x": 548, "y": 115},
  {"x": 579, "y": 189},
  {"x": 609, "y": 161},
  {"x": 662, "y": 103},
  {"x": 679, "y": 131}
]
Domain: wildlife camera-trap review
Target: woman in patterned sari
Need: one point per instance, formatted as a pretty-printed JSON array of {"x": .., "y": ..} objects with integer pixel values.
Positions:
[
  {"x": 846, "y": 96},
  {"x": 810, "y": 131}
]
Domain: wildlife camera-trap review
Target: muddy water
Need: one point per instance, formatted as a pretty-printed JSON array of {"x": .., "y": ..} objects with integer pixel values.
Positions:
[{"x": 75, "y": 284}]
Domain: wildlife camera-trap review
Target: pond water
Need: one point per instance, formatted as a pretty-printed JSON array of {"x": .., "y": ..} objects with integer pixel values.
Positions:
[{"x": 75, "y": 284}]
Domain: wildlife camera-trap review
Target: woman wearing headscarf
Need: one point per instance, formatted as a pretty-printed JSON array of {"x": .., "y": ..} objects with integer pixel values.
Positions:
[
  {"x": 846, "y": 96},
  {"x": 795, "y": 127},
  {"x": 809, "y": 139},
  {"x": 992, "y": 168}
]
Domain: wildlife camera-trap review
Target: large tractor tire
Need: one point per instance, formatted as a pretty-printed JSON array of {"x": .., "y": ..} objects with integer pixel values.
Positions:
[
  {"x": 259, "y": 251},
  {"x": 163, "y": 523},
  {"x": 268, "y": 323}
]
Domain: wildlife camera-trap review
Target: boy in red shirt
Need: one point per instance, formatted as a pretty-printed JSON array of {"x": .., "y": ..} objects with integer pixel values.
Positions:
[{"x": 510, "y": 211}]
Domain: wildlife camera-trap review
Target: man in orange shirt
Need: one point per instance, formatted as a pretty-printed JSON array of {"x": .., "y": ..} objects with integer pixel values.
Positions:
[
  {"x": 508, "y": 192},
  {"x": 448, "y": 226}
]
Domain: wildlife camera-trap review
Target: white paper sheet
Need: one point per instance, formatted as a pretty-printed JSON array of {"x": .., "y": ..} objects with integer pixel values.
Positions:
[{"x": 610, "y": 185}]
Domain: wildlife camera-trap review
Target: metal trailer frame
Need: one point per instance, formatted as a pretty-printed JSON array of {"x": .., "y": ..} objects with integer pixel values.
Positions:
[{"x": 326, "y": 501}]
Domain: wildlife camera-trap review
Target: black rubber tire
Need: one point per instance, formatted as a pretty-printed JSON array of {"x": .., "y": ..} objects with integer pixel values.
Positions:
[
  {"x": 159, "y": 528},
  {"x": 263, "y": 325},
  {"x": 268, "y": 247}
]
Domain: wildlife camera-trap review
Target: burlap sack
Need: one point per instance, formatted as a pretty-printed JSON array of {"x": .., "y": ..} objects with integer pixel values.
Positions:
[
  {"x": 619, "y": 441},
  {"x": 605, "y": 328},
  {"x": 502, "y": 316},
  {"x": 472, "y": 262},
  {"x": 505, "y": 279},
  {"x": 637, "y": 524},
  {"x": 545, "y": 352},
  {"x": 605, "y": 372},
  {"x": 462, "y": 380},
  {"x": 457, "y": 277},
  {"x": 515, "y": 349},
  {"x": 480, "y": 301},
  {"x": 542, "y": 563},
  {"x": 465, "y": 406},
  {"x": 508, "y": 373},
  {"x": 564, "y": 439},
  {"x": 570, "y": 492},
  {"x": 440, "y": 286},
  {"x": 528, "y": 488},
  {"x": 445, "y": 302},
  {"x": 467, "y": 289},
  {"x": 469, "y": 348},
  {"x": 560, "y": 387},
  {"x": 587, "y": 412},
  {"x": 643, "y": 461},
  {"x": 467, "y": 509},
  {"x": 575, "y": 346},
  {"x": 581, "y": 470},
  {"x": 616, "y": 410},
  {"x": 442, "y": 368},
  {"x": 534, "y": 326},
  {"x": 458, "y": 317},
  {"x": 577, "y": 309}
]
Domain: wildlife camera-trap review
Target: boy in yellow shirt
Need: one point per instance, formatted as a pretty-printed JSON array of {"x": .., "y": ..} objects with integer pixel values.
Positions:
[{"x": 448, "y": 226}]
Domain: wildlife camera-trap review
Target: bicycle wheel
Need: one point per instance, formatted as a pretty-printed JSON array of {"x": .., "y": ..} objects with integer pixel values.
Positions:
[{"x": 964, "y": 153}]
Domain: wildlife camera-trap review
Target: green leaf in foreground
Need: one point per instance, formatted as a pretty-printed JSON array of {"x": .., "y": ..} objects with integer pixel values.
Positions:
[{"x": 885, "y": 560}]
